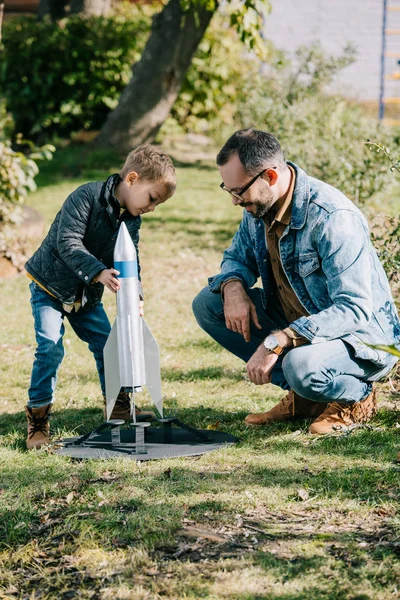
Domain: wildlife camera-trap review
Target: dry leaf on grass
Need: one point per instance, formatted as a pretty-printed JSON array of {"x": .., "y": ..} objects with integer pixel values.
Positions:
[{"x": 303, "y": 494}]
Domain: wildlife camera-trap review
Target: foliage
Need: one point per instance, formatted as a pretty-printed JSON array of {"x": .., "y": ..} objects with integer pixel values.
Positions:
[
  {"x": 386, "y": 229},
  {"x": 63, "y": 77},
  {"x": 322, "y": 133},
  {"x": 17, "y": 178},
  {"x": 246, "y": 18},
  {"x": 17, "y": 173},
  {"x": 385, "y": 235},
  {"x": 390, "y": 349},
  {"x": 209, "y": 93}
]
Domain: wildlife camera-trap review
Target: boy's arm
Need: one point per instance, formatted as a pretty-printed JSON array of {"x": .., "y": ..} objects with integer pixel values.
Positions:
[{"x": 72, "y": 228}]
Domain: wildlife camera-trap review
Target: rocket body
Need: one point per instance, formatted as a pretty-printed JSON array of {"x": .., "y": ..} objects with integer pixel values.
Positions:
[{"x": 131, "y": 354}]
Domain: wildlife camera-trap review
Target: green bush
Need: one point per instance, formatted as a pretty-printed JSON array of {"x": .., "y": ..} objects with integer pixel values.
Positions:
[
  {"x": 17, "y": 178},
  {"x": 58, "y": 78},
  {"x": 17, "y": 170},
  {"x": 324, "y": 134},
  {"x": 207, "y": 99}
]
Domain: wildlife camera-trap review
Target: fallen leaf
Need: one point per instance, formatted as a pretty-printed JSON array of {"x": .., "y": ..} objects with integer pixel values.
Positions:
[
  {"x": 202, "y": 533},
  {"x": 303, "y": 494},
  {"x": 70, "y": 497},
  {"x": 213, "y": 426}
]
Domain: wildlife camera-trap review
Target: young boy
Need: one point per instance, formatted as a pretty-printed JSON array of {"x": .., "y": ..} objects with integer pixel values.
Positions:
[{"x": 73, "y": 265}]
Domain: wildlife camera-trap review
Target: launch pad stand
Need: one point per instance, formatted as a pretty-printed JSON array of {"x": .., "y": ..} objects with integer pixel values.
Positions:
[{"x": 140, "y": 441}]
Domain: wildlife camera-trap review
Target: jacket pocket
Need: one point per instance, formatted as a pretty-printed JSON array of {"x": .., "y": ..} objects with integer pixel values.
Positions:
[{"x": 307, "y": 264}]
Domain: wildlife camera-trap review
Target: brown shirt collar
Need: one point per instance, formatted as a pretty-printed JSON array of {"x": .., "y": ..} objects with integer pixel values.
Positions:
[{"x": 282, "y": 209}]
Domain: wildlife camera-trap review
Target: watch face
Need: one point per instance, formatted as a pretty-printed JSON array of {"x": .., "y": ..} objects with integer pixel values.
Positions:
[{"x": 271, "y": 342}]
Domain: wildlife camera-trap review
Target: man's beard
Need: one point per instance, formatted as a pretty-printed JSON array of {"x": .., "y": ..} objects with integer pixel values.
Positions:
[{"x": 261, "y": 205}]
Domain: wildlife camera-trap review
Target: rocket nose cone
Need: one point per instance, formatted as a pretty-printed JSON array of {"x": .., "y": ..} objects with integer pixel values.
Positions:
[{"x": 124, "y": 247}]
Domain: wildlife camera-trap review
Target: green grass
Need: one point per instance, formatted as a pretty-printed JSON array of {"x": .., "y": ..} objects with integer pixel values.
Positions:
[{"x": 229, "y": 524}]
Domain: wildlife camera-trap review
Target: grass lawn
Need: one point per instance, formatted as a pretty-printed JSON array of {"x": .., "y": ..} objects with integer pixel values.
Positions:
[{"x": 279, "y": 515}]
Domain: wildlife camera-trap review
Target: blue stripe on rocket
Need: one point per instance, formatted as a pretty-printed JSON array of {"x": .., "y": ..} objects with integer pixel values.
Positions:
[{"x": 127, "y": 268}]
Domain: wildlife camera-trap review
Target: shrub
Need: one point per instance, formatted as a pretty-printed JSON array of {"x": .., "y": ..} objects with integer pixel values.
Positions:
[
  {"x": 207, "y": 99},
  {"x": 63, "y": 77},
  {"x": 17, "y": 178},
  {"x": 324, "y": 134}
]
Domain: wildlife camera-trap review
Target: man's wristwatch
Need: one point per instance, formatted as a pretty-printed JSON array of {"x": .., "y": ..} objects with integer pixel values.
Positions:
[{"x": 271, "y": 343}]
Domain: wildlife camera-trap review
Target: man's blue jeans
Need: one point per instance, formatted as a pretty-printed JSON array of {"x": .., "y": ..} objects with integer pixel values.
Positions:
[
  {"x": 324, "y": 372},
  {"x": 91, "y": 325}
]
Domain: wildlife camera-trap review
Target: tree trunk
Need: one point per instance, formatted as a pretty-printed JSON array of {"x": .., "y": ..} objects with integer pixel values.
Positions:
[
  {"x": 157, "y": 77},
  {"x": 1, "y": 18},
  {"x": 90, "y": 7},
  {"x": 55, "y": 8}
]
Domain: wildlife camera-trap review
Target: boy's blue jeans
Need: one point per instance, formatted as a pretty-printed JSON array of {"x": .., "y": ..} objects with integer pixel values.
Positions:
[
  {"x": 91, "y": 325},
  {"x": 324, "y": 372}
]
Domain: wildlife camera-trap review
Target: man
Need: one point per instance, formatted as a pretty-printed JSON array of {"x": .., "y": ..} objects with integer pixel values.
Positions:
[{"x": 325, "y": 298}]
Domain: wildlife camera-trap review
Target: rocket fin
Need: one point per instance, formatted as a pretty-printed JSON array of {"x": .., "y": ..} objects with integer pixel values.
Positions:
[
  {"x": 152, "y": 367},
  {"x": 111, "y": 368}
]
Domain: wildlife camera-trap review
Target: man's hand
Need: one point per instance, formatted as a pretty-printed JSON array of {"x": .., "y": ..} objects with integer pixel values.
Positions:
[
  {"x": 239, "y": 310},
  {"x": 108, "y": 278},
  {"x": 260, "y": 365},
  {"x": 141, "y": 308}
]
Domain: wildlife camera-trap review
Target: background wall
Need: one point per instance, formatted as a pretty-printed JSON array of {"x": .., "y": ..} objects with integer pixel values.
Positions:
[{"x": 334, "y": 23}]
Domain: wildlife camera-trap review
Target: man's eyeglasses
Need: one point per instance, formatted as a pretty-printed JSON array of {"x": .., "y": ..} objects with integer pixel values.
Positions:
[{"x": 238, "y": 195}]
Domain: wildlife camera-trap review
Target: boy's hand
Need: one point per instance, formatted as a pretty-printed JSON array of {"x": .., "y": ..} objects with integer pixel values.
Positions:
[{"x": 108, "y": 278}]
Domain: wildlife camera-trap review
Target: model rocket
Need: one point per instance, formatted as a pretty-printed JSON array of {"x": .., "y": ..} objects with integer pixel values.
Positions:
[{"x": 131, "y": 354}]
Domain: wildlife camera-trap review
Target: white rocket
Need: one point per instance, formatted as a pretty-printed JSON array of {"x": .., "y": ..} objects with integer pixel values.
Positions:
[{"x": 131, "y": 354}]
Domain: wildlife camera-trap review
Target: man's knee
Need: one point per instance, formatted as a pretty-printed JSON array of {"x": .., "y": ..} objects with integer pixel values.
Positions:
[
  {"x": 302, "y": 371},
  {"x": 207, "y": 307}
]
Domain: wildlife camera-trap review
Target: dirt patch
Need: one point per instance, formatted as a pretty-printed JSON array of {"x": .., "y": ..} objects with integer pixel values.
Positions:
[
  {"x": 278, "y": 534},
  {"x": 26, "y": 235}
]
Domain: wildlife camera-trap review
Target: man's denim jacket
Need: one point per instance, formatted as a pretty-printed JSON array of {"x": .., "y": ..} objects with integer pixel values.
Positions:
[{"x": 331, "y": 265}]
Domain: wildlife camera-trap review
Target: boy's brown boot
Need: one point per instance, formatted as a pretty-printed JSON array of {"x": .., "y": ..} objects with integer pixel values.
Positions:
[
  {"x": 339, "y": 416},
  {"x": 38, "y": 426},
  {"x": 290, "y": 407},
  {"x": 122, "y": 410}
]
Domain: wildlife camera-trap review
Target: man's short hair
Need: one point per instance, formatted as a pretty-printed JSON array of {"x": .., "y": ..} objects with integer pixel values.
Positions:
[
  {"x": 151, "y": 163},
  {"x": 257, "y": 150}
]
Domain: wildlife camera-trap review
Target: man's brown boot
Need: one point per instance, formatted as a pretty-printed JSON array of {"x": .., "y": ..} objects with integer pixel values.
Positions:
[
  {"x": 38, "y": 426},
  {"x": 122, "y": 410},
  {"x": 339, "y": 416},
  {"x": 290, "y": 407}
]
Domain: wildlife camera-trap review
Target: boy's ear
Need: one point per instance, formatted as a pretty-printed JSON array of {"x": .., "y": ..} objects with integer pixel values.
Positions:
[{"x": 131, "y": 178}]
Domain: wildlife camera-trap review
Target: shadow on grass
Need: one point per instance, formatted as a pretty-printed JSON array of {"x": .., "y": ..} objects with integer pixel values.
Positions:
[
  {"x": 367, "y": 484},
  {"x": 85, "y": 161},
  {"x": 201, "y": 374},
  {"x": 372, "y": 442},
  {"x": 203, "y": 344},
  {"x": 78, "y": 161}
]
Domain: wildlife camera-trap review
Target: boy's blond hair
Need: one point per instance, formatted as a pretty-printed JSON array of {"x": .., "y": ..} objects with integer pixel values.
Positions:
[{"x": 151, "y": 163}]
